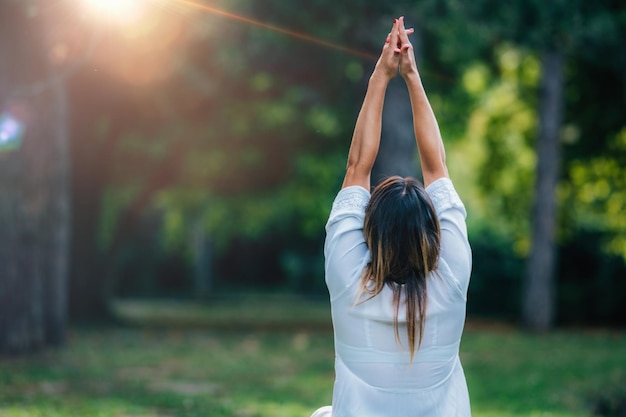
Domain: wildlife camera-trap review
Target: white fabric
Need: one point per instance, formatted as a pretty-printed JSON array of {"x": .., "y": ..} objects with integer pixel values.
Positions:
[
  {"x": 323, "y": 412},
  {"x": 374, "y": 376}
]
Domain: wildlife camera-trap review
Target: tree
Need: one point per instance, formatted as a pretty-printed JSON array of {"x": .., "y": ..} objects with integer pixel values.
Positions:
[
  {"x": 398, "y": 150},
  {"x": 538, "y": 296},
  {"x": 556, "y": 31},
  {"x": 34, "y": 210}
]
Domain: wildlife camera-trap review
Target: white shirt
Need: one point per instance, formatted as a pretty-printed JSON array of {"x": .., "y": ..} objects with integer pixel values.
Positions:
[{"x": 374, "y": 376}]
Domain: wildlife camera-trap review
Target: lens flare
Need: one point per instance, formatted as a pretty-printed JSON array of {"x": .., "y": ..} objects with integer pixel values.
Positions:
[
  {"x": 297, "y": 35},
  {"x": 11, "y": 131},
  {"x": 122, "y": 11}
]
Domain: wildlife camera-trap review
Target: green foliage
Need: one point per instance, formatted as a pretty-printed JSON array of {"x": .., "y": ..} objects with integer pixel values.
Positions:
[
  {"x": 302, "y": 202},
  {"x": 560, "y": 24},
  {"x": 114, "y": 201},
  {"x": 597, "y": 195},
  {"x": 589, "y": 280},
  {"x": 496, "y": 277},
  {"x": 494, "y": 164}
]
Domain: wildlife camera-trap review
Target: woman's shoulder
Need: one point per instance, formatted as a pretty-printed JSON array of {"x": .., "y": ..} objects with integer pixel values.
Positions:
[
  {"x": 352, "y": 197},
  {"x": 444, "y": 196},
  {"x": 350, "y": 203}
]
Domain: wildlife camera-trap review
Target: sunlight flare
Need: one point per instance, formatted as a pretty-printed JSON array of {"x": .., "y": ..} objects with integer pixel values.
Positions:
[{"x": 121, "y": 11}]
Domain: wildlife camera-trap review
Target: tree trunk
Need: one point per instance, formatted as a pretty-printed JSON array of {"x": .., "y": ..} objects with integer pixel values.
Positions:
[
  {"x": 397, "y": 154},
  {"x": 91, "y": 156},
  {"x": 34, "y": 200},
  {"x": 202, "y": 261},
  {"x": 538, "y": 297},
  {"x": 59, "y": 219},
  {"x": 88, "y": 268}
]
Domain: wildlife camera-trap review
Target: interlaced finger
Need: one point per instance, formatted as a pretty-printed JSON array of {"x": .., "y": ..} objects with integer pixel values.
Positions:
[
  {"x": 408, "y": 31},
  {"x": 403, "y": 35},
  {"x": 394, "y": 35}
]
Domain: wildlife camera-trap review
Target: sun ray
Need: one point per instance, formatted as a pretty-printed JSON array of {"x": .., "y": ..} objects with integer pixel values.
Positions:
[{"x": 278, "y": 29}]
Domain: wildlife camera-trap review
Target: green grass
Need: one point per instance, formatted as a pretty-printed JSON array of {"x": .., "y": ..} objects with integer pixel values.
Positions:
[
  {"x": 210, "y": 361},
  {"x": 256, "y": 311}
]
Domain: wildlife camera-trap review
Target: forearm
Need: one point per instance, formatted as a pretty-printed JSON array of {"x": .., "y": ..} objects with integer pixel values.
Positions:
[
  {"x": 366, "y": 137},
  {"x": 427, "y": 133}
]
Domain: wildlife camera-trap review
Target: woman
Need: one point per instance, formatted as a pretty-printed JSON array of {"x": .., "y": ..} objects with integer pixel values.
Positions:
[{"x": 397, "y": 267}]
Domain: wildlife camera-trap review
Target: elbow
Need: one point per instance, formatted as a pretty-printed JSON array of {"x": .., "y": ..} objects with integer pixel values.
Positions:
[
  {"x": 440, "y": 163},
  {"x": 433, "y": 172},
  {"x": 435, "y": 164},
  {"x": 357, "y": 174},
  {"x": 352, "y": 162},
  {"x": 442, "y": 157},
  {"x": 357, "y": 165},
  {"x": 356, "y": 169},
  {"x": 442, "y": 153}
]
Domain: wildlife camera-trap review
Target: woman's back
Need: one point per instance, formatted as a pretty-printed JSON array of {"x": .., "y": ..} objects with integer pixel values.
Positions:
[
  {"x": 365, "y": 340},
  {"x": 371, "y": 363}
]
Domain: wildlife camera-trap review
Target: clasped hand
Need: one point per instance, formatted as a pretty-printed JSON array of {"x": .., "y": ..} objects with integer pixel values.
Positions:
[{"x": 397, "y": 55}]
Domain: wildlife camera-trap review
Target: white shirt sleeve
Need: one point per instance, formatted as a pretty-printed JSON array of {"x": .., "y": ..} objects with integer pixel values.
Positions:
[
  {"x": 455, "y": 249},
  {"x": 345, "y": 250}
]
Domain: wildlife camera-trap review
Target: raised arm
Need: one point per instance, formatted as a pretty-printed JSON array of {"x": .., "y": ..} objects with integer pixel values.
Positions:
[
  {"x": 366, "y": 137},
  {"x": 427, "y": 134}
]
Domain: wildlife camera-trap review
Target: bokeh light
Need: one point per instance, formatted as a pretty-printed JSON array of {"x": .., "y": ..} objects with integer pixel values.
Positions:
[{"x": 11, "y": 131}]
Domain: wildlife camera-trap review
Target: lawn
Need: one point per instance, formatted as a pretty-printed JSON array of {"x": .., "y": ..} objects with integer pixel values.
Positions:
[{"x": 236, "y": 359}]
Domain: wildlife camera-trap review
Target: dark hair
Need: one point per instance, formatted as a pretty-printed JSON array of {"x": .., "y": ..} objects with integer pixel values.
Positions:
[{"x": 403, "y": 235}]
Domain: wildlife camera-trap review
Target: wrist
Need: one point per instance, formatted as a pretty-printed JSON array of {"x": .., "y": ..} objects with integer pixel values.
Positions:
[
  {"x": 381, "y": 74},
  {"x": 412, "y": 77}
]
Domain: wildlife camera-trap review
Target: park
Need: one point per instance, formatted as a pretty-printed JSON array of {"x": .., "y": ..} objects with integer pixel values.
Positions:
[{"x": 167, "y": 169}]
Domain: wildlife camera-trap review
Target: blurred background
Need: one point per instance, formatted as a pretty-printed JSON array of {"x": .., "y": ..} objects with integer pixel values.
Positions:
[
  {"x": 184, "y": 150},
  {"x": 177, "y": 160}
]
